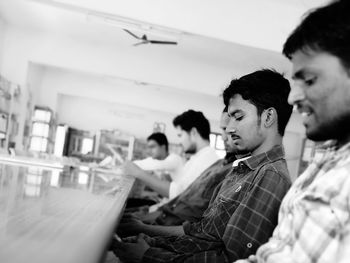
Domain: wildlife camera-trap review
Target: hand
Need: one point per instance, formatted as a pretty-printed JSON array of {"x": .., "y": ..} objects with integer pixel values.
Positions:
[
  {"x": 130, "y": 225},
  {"x": 131, "y": 252},
  {"x": 149, "y": 240},
  {"x": 150, "y": 218},
  {"x": 127, "y": 217},
  {"x": 129, "y": 168}
]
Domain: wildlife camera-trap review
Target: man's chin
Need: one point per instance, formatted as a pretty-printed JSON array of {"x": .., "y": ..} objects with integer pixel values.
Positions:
[
  {"x": 318, "y": 136},
  {"x": 190, "y": 151}
]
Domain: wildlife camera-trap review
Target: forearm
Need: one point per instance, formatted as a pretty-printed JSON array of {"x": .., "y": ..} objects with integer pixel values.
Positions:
[
  {"x": 153, "y": 164},
  {"x": 160, "y": 186},
  {"x": 161, "y": 255},
  {"x": 154, "y": 230}
]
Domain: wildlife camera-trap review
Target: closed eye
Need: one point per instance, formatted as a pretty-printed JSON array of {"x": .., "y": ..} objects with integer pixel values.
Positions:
[
  {"x": 238, "y": 118},
  {"x": 310, "y": 81}
]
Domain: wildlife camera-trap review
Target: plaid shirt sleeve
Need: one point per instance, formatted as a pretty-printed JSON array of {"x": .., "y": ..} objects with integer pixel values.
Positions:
[
  {"x": 314, "y": 219},
  {"x": 249, "y": 226}
]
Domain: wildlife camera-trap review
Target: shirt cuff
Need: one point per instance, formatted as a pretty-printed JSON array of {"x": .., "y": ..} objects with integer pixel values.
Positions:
[
  {"x": 173, "y": 190},
  {"x": 188, "y": 227},
  {"x": 150, "y": 255}
]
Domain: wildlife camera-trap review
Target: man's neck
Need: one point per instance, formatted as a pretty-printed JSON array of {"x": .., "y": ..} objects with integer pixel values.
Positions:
[
  {"x": 268, "y": 144},
  {"x": 202, "y": 144},
  {"x": 163, "y": 156}
]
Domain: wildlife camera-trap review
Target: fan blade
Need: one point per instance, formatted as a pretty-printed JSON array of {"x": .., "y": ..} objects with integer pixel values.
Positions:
[
  {"x": 141, "y": 43},
  {"x": 162, "y": 42},
  {"x": 132, "y": 34}
]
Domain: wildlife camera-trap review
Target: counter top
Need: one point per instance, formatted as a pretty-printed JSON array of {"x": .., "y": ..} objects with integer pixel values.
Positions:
[{"x": 58, "y": 215}]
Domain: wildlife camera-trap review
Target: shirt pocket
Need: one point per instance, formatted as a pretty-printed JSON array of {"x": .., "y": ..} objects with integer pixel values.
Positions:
[
  {"x": 327, "y": 210},
  {"x": 227, "y": 205}
]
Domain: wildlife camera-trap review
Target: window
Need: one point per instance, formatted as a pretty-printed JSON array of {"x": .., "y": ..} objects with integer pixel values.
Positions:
[
  {"x": 40, "y": 135},
  {"x": 217, "y": 143}
]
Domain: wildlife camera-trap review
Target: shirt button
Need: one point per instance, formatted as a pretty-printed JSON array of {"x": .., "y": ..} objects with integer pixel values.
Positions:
[
  {"x": 173, "y": 206},
  {"x": 249, "y": 245}
]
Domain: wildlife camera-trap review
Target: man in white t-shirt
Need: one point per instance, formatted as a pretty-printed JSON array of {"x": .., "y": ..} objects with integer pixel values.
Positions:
[
  {"x": 160, "y": 160},
  {"x": 193, "y": 130}
]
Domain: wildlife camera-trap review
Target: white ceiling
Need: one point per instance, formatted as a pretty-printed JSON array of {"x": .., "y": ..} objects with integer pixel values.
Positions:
[
  {"x": 257, "y": 23},
  {"x": 243, "y": 35}
]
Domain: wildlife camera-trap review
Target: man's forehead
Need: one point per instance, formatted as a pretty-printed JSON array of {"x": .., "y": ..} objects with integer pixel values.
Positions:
[
  {"x": 224, "y": 119},
  {"x": 234, "y": 106},
  {"x": 304, "y": 62},
  {"x": 151, "y": 143}
]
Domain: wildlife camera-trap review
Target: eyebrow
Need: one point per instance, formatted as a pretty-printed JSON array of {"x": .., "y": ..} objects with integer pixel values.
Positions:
[{"x": 231, "y": 114}]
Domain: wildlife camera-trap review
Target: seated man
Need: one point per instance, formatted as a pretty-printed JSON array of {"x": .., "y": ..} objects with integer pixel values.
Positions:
[
  {"x": 193, "y": 129},
  {"x": 159, "y": 163},
  {"x": 160, "y": 160},
  {"x": 190, "y": 204},
  {"x": 314, "y": 218},
  {"x": 243, "y": 211}
]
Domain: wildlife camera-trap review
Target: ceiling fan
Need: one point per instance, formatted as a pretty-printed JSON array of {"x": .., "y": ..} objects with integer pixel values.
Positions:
[{"x": 145, "y": 40}]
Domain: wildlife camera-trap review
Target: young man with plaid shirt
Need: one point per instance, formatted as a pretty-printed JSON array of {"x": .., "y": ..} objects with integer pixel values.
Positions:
[{"x": 243, "y": 211}]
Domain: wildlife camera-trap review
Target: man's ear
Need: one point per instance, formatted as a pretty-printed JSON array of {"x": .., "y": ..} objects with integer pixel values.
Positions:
[
  {"x": 193, "y": 132},
  {"x": 270, "y": 117}
]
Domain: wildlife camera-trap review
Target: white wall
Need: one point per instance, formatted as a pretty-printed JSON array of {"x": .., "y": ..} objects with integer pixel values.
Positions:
[
  {"x": 57, "y": 81},
  {"x": 98, "y": 114},
  {"x": 34, "y": 81},
  {"x": 112, "y": 101},
  {"x": 2, "y": 37}
]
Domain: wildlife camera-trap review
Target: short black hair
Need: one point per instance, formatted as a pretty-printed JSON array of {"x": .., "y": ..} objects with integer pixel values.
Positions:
[
  {"x": 193, "y": 119},
  {"x": 160, "y": 139},
  {"x": 265, "y": 89},
  {"x": 324, "y": 29}
]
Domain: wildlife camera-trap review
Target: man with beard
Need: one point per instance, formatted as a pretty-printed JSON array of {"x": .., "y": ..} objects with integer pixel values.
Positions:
[
  {"x": 314, "y": 218},
  {"x": 243, "y": 210},
  {"x": 193, "y": 130}
]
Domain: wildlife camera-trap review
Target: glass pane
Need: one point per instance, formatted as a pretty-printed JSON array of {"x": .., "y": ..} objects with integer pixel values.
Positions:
[
  {"x": 42, "y": 115},
  {"x": 83, "y": 178},
  {"x": 212, "y": 139},
  {"x": 60, "y": 139},
  {"x": 219, "y": 143},
  {"x": 3, "y": 122},
  {"x": 87, "y": 145},
  {"x": 38, "y": 144},
  {"x": 40, "y": 129}
]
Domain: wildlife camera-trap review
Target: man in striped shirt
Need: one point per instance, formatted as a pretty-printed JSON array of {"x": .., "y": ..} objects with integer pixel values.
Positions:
[{"x": 314, "y": 218}]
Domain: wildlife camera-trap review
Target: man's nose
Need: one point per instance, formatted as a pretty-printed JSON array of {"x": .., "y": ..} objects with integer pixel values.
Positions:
[
  {"x": 296, "y": 94},
  {"x": 224, "y": 135},
  {"x": 230, "y": 128}
]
